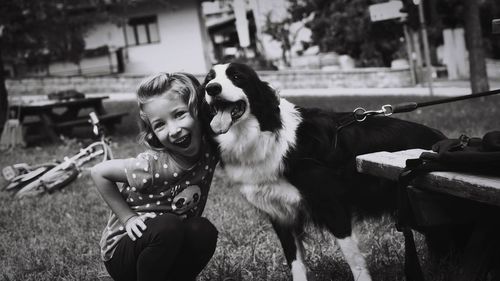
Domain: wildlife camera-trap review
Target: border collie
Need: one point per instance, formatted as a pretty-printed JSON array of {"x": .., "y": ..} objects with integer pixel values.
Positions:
[{"x": 295, "y": 166}]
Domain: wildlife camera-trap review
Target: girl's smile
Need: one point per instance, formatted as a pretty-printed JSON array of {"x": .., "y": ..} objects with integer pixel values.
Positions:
[{"x": 174, "y": 126}]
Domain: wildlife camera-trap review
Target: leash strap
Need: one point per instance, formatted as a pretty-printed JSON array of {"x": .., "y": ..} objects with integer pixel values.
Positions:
[
  {"x": 360, "y": 113},
  {"x": 464, "y": 97}
]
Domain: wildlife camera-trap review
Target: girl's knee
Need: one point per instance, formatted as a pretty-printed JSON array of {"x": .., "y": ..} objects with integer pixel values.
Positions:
[
  {"x": 201, "y": 226},
  {"x": 167, "y": 226}
]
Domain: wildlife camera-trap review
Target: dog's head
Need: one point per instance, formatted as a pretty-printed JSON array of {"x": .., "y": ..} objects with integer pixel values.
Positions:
[{"x": 235, "y": 93}]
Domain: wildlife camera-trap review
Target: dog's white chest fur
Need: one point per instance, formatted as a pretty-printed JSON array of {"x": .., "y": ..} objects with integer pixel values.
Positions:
[{"x": 254, "y": 160}]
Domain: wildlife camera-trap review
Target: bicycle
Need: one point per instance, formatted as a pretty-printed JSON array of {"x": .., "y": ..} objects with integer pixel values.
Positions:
[{"x": 48, "y": 177}]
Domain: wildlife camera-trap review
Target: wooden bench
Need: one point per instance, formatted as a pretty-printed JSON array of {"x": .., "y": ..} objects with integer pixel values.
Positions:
[
  {"x": 449, "y": 198},
  {"x": 109, "y": 120},
  {"x": 389, "y": 165}
]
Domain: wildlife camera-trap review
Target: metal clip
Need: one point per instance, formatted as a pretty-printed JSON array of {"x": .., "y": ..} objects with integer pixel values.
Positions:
[
  {"x": 360, "y": 113},
  {"x": 387, "y": 110}
]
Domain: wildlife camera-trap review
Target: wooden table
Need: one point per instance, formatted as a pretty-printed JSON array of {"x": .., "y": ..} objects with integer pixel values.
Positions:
[
  {"x": 429, "y": 198},
  {"x": 57, "y": 116}
]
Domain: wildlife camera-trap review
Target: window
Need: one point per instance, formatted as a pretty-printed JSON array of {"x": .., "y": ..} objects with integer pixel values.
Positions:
[{"x": 142, "y": 30}]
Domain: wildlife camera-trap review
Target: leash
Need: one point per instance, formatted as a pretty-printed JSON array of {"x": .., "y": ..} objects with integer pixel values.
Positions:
[{"x": 360, "y": 114}]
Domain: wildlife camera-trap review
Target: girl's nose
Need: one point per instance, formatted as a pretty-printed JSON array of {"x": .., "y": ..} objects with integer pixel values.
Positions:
[{"x": 175, "y": 132}]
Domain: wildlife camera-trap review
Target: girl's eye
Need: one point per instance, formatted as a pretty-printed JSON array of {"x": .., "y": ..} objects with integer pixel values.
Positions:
[
  {"x": 158, "y": 125},
  {"x": 180, "y": 114}
]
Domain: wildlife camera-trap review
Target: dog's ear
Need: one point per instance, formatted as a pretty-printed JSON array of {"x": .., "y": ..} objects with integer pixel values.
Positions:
[
  {"x": 268, "y": 94},
  {"x": 205, "y": 113},
  {"x": 210, "y": 75},
  {"x": 265, "y": 106}
]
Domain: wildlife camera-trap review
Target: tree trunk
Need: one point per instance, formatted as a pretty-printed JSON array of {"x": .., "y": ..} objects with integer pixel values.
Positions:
[
  {"x": 3, "y": 92},
  {"x": 474, "y": 39}
]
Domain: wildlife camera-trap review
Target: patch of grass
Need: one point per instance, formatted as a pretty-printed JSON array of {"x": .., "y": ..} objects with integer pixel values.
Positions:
[{"x": 55, "y": 237}]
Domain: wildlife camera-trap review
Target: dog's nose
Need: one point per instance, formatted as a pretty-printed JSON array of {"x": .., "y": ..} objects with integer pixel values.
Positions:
[{"x": 213, "y": 89}]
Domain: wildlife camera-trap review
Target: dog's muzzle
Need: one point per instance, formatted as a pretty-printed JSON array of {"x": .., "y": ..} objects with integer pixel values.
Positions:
[{"x": 225, "y": 113}]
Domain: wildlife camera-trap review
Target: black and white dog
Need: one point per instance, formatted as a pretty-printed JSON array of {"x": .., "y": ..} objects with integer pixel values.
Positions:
[{"x": 292, "y": 164}]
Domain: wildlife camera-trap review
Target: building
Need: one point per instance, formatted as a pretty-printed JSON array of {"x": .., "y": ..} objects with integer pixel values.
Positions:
[
  {"x": 174, "y": 35},
  {"x": 151, "y": 36}
]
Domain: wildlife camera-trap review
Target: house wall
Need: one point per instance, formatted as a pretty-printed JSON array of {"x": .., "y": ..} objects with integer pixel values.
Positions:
[
  {"x": 90, "y": 66},
  {"x": 181, "y": 46},
  {"x": 105, "y": 34}
]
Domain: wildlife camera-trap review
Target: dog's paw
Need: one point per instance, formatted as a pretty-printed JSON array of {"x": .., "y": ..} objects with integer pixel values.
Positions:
[{"x": 299, "y": 271}]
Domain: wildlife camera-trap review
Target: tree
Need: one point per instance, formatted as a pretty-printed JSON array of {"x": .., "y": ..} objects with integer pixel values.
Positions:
[
  {"x": 466, "y": 13},
  {"x": 474, "y": 39},
  {"x": 35, "y": 32}
]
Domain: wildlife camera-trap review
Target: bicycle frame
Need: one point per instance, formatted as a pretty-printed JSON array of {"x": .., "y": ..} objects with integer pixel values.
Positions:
[{"x": 65, "y": 172}]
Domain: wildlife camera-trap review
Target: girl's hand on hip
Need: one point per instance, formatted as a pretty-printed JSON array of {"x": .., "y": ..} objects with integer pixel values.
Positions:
[{"x": 135, "y": 226}]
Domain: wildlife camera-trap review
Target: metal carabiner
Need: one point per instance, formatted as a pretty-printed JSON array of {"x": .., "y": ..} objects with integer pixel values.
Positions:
[
  {"x": 359, "y": 114},
  {"x": 387, "y": 110}
]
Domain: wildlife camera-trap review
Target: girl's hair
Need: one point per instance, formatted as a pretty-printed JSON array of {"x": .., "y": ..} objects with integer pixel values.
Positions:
[{"x": 178, "y": 83}]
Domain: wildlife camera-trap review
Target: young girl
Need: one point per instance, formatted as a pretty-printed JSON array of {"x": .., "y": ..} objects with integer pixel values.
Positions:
[{"x": 155, "y": 231}]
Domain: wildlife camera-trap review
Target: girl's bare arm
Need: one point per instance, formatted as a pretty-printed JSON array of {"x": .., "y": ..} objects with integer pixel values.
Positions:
[{"x": 105, "y": 176}]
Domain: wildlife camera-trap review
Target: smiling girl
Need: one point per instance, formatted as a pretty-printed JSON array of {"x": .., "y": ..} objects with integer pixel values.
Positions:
[{"x": 155, "y": 230}]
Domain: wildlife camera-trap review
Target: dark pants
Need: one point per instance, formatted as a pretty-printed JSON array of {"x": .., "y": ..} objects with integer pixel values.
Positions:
[{"x": 169, "y": 249}]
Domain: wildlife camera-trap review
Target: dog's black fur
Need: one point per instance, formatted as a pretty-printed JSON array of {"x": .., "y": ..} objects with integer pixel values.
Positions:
[{"x": 319, "y": 160}]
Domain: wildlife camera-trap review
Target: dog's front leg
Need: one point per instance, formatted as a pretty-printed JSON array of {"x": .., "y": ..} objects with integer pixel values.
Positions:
[
  {"x": 354, "y": 258},
  {"x": 291, "y": 241}
]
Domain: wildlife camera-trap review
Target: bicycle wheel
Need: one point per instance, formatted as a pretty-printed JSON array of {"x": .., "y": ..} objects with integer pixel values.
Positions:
[
  {"x": 22, "y": 180},
  {"x": 49, "y": 182},
  {"x": 60, "y": 179}
]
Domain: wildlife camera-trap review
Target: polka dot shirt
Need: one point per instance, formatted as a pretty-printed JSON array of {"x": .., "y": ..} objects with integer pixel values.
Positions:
[{"x": 156, "y": 183}]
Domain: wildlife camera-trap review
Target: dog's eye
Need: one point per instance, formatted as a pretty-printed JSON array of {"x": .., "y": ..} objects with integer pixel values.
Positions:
[{"x": 236, "y": 76}]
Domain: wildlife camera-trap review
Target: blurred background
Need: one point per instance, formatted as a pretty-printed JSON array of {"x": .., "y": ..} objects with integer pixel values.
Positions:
[{"x": 137, "y": 37}]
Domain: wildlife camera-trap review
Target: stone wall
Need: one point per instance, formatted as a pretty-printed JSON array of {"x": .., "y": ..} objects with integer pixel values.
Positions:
[
  {"x": 355, "y": 78},
  {"x": 290, "y": 79}
]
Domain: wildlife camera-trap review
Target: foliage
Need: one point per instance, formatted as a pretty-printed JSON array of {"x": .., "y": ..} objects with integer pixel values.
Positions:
[
  {"x": 280, "y": 31},
  {"x": 38, "y": 31},
  {"x": 286, "y": 32},
  {"x": 344, "y": 26}
]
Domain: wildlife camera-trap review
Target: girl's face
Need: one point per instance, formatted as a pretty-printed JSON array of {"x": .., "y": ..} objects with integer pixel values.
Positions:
[{"x": 173, "y": 125}]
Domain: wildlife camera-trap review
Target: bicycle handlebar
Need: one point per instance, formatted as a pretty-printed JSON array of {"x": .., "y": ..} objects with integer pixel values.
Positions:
[
  {"x": 93, "y": 118},
  {"x": 96, "y": 125}
]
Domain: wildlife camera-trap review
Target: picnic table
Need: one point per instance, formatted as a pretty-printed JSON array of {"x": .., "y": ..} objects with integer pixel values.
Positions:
[
  {"x": 449, "y": 198},
  {"x": 61, "y": 116}
]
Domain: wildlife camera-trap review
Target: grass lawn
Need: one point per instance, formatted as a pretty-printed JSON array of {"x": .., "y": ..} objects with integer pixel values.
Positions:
[{"x": 55, "y": 237}]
